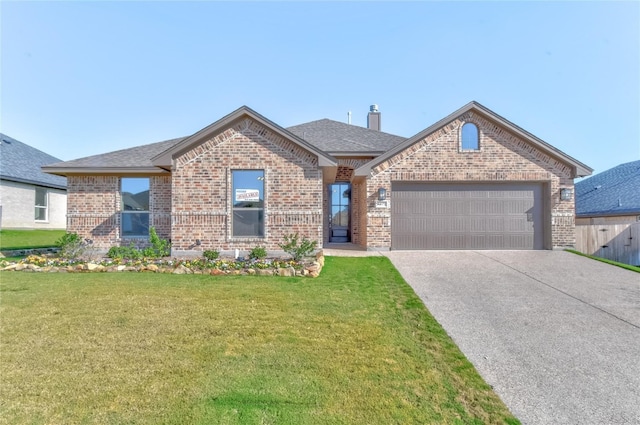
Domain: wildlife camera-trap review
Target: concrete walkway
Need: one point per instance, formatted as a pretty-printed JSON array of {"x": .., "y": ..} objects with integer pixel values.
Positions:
[{"x": 556, "y": 335}]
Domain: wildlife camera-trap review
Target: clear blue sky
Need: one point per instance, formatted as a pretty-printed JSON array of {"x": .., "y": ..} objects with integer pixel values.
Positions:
[{"x": 82, "y": 78}]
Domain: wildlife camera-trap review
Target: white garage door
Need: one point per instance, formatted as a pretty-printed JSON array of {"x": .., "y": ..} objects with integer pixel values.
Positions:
[{"x": 467, "y": 216}]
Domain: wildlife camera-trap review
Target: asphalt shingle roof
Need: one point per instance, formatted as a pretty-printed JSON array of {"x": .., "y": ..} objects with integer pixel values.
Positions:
[
  {"x": 139, "y": 156},
  {"x": 20, "y": 162},
  {"x": 327, "y": 135},
  {"x": 334, "y": 137},
  {"x": 612, "y": 192}
]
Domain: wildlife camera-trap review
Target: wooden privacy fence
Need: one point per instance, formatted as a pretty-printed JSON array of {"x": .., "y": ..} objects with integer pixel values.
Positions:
[{"x": 617, "y": 242}]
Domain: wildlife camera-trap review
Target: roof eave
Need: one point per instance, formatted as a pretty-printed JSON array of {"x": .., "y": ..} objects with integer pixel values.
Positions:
[
  {"x": 70, "y": 171},
  {"x": 339, "y": 154},
  {"x": 635, "y": 211},
  {"x": 33, "y": 182}
]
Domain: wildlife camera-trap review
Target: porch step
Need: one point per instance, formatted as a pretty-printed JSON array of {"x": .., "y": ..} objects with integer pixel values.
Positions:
[{"x": 339, "y": 239}]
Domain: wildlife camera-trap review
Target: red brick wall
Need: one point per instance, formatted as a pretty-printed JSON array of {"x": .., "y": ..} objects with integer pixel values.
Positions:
[
  {"x": 93, "y": 209},
  {"x": 201, "y": 189},
  {"x": 160, "y": 205},
  {"x": 502, "y": 157},
  {"x": 93, "y": 204}
]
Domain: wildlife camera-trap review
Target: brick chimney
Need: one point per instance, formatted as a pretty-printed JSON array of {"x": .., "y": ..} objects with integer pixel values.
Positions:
[{"x": 374, "y": 118}]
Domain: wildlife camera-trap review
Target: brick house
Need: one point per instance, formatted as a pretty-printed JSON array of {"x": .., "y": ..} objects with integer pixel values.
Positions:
[{"x": 473, "y": 180}]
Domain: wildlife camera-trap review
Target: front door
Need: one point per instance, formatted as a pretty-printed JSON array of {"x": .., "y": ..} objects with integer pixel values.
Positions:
[{"x": 340, "y": 195}]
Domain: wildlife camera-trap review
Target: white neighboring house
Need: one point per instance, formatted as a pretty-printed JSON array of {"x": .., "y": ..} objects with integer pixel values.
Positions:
[{"x": 29, "y": 198}]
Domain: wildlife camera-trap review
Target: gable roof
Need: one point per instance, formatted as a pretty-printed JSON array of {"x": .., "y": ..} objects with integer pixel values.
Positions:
[
  {"x": 21, "y": 163},
  {"x": 136, "y": 160},
  {"x": 337, "y": 138},
  {"x": 612, "y": 192},
  {"x": 164, "y": 159},
  {"x": 579, "y": 169}
]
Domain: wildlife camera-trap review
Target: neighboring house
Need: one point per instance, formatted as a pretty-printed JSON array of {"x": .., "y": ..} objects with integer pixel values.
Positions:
[
  {"x": 608, "y": 214},
  {"x": 611, "y": 197},
  {"x": 29, "y": 198},
  {"x": 473, "y": 180}
]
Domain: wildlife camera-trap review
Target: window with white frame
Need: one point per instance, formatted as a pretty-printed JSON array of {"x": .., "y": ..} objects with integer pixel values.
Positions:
[
  {"x": 134, "y": 193},
  {"x": 42, "y": 204},
  {"x": 470, "y": 137},
  {"x": 248, "y": 203}
]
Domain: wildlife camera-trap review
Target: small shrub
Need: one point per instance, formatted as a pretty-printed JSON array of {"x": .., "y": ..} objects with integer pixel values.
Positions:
[
  {"x": 258, "y": 253},
  {"x": 211, "y": 255},
  {"x": 159, "y": 247},
  {"x": 71, "y": 246},
  {"x": 125, "y": 252},
  {"x": 298, "y": 249}
]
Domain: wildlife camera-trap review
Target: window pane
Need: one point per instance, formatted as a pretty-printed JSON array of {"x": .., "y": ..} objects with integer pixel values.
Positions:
[
  {"x": 135, "y": 224},
  {"x": 345, "y": 189},
  {"x": 41, "y": 197},
  {"x": 135, "y": 194},
  {"x": 248, "y": 222},
  {"x": 41, "y": 214},
  {"x": 339, "y": 216},
  {"x": 470, "y": 136},
  {"x": 248, "y": 202},
  {"x": 248, "y": 188},
  {"x": 335, "y": 194}
]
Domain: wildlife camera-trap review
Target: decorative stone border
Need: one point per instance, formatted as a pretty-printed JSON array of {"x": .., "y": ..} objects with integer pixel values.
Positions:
[
  {"x": 309, "y": 270},
  {"x": 25, "y": 252}
]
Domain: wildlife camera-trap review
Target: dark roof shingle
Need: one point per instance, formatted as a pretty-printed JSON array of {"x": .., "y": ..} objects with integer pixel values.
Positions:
[
  {"x": 335, "y": 137},
  {"x": 138, "y": 156},
  {"x": 612, "y": 192},
  {"x": 20, "y": 162}
]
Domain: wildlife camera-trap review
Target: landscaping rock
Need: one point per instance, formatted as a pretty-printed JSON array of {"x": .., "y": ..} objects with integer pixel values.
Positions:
[
  {"x": 287, "y": 272},
  {"x": 314, "y": 267},
  {"x": 182, "y": 270}
]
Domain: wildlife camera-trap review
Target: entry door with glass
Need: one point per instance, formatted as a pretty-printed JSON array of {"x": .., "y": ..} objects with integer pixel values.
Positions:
[{"x": 340, "y": 194}]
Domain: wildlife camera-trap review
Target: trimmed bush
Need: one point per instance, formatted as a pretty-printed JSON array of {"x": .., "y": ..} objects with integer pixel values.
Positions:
[
  {"x": 298, "y": 249},
  {"x": 258, "y": 253}
]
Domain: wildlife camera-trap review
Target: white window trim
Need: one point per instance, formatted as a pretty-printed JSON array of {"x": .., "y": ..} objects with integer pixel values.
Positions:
[
  {"x": 460, "y": 146},
  {"x": 45, "y": 207}
]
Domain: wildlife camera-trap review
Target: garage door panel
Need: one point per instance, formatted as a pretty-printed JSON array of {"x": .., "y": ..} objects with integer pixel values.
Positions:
[{"x": 466, "y": 216}]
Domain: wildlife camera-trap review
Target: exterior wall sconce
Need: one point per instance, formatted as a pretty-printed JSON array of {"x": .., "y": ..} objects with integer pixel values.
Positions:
[
  {"x": 566, "y": 194},
  {"x": 382, "y": 194}
]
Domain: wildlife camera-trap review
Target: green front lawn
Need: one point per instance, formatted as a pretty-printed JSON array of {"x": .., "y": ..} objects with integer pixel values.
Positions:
[
  {"x": 23, "y": 239},
  {"x": 354, "y": 346}
]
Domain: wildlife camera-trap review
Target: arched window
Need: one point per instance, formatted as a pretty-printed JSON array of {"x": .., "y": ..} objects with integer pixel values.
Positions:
[{"x": 470, "y": 137}]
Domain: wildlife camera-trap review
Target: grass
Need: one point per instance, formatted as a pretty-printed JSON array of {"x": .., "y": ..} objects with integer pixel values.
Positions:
[
  {"x": 24, "y": 239},
  {"x": 604, "y": 260},
  {"x": 354, "y": 346}
]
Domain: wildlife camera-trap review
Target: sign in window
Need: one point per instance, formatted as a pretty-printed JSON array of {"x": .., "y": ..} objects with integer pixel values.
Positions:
[{"x": 248, "y": 203}]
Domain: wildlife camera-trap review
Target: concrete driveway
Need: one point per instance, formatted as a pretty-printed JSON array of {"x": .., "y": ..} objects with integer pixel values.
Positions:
[{"x": 556, "y": 335}]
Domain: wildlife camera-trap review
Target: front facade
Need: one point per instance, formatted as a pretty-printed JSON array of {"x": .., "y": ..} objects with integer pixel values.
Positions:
[
  {"x": 29, "y": 198},
  {"x": 471, "y": 181}
]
